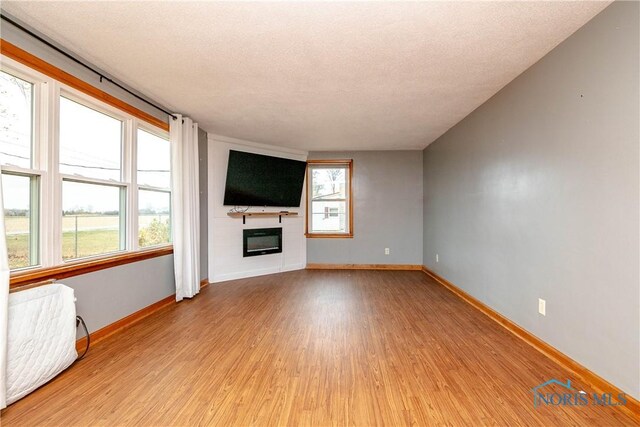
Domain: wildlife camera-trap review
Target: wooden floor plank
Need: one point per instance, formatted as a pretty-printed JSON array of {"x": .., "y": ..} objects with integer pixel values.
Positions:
[{"x": 310, "y": 348}]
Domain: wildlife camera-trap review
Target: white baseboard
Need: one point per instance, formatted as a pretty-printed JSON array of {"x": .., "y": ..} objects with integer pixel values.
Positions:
[
  {"x": 254, "y": 273},
  {"x": 294, "y": 267}
]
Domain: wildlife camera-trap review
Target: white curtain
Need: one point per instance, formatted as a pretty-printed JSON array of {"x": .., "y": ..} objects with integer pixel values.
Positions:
[
  {"x": 185, "y": 198},
  {"x": 4, "y": 304}
]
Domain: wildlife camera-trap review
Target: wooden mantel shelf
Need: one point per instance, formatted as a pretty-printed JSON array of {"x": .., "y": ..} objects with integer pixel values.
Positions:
[{"x": 244, "y": 215}]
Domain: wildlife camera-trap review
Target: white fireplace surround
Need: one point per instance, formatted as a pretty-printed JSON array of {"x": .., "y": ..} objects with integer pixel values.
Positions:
[{"x": 226, "y": 261}]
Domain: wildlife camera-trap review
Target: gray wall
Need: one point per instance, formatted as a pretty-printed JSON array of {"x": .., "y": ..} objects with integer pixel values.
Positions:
[
  {"x": 535, "y": 195},
  {"x": 387, "y": 208},
  {"x": 204, "y": 192},
  {"x": 106, "y": 296}
]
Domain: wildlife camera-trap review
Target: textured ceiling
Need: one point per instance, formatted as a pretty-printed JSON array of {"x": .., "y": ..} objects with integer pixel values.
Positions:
[{"x": 314, "y": 76}]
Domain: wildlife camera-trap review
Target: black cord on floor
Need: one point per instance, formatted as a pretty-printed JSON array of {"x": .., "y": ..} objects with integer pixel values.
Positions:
[{"x": 80, "y": 320}]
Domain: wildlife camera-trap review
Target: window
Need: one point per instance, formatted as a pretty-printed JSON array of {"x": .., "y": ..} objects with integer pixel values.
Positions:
[
  {"x": 90, "y": 142},
  {"x": 154, "y": 218},
  {"x": 93, "y": 210},
  {"x": 92, "y": 219},
  {"x": 20, "y": 175},
  {"x": 21, "y": 219},
  {"x": 154, "y": 160},
  {"x": 329, "y": 206},
  {"x": 154, "y": 189},
  {"x": 330, "y": 212},
  {"x": 16, "y": 120},
  {"x": 80, "y": 177}
]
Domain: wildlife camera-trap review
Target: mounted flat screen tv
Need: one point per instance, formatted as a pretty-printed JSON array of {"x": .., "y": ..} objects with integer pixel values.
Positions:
[{"x": 257, "y": 180}]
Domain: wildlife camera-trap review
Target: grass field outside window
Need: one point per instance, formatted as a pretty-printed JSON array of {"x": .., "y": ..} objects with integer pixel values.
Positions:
[{"x": 96, "y": 235}]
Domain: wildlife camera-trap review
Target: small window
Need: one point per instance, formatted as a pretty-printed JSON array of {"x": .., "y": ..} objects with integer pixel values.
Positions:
[
  {"x": 20, "y": 197},
  {"x": 90, "y": 142},
  {"x": 329, "y": 198},
  {"x": 93, "y": 218},
  {"x": 16, "y": 121}
]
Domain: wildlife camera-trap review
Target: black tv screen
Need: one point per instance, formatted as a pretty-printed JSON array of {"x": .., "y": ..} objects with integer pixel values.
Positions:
[{"x": 257, "y": 180}]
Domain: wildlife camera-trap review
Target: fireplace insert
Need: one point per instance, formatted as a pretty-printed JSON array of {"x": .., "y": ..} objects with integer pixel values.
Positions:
[{"x": 261, "y": 241}]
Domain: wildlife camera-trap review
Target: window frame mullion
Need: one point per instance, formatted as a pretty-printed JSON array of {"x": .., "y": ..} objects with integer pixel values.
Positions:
[
  {"x": 51, "y": 186},
  {"x": 130, "y": 166}
]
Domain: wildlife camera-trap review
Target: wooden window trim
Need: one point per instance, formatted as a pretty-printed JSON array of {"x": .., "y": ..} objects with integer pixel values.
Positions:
[
  {"x": 330, "y": 162},
  {"x": 14, "y": 52},
  {"x": 75, "y": 268}
]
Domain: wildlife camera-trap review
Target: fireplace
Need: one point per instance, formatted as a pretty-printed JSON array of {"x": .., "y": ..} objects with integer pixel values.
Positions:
[{"x": 261, "y": 241}]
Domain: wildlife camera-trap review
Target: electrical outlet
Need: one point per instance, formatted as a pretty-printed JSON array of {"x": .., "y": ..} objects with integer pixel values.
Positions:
[
  {"x": 542, "y": 306},
  {"x": 437, "y": 258},
  {"x": 386, "y": 251}
]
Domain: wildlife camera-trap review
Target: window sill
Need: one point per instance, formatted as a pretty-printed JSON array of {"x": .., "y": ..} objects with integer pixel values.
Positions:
[
  {"x": 329, "y": 236},
  {"x": 76, "y": 268}
]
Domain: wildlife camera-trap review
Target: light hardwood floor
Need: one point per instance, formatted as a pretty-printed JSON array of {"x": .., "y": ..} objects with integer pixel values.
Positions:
[{"x": 310, "y": 348}]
